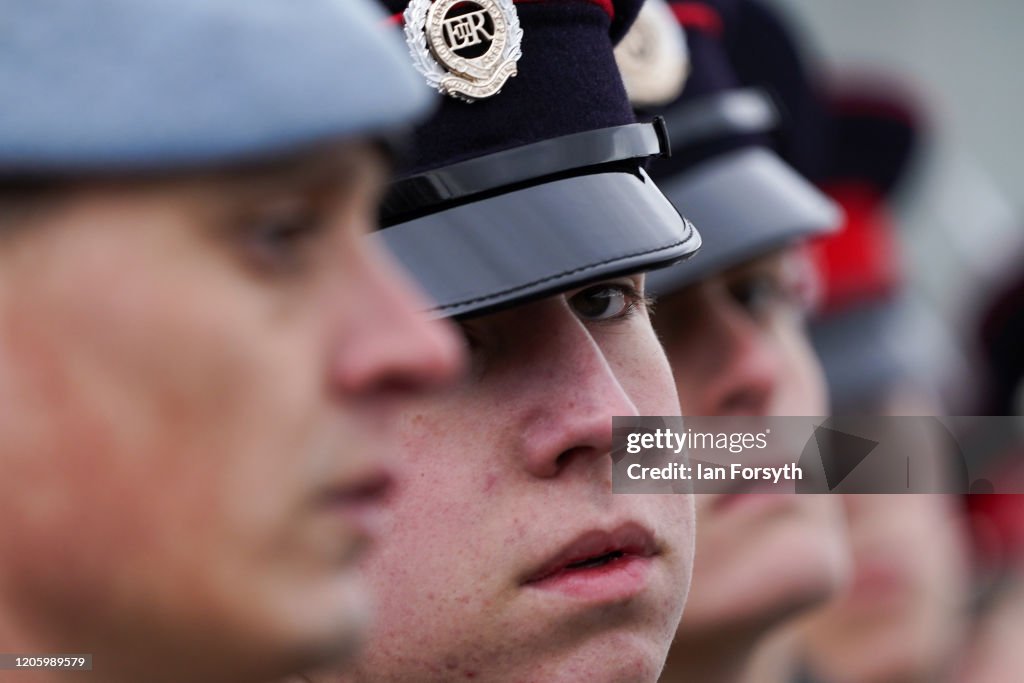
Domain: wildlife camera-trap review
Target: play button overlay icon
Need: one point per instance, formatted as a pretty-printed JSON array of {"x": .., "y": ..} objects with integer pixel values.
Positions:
[
  {"x": 830, "y": 456},
  {"x": 840, "y": 453}
]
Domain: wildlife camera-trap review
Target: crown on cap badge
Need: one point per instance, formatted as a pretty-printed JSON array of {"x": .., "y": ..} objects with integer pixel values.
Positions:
[
  {"x": 465, "y": 48},
  {"x": 653, "y": 57}
]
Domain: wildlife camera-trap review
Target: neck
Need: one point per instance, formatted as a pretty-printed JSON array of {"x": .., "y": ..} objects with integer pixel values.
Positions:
[
  {"x": 116, "y": 657},
  {"x": 776, "y": 658},
  {"x": 23, "y": 638},
  {"x": 711, "y": 658}
]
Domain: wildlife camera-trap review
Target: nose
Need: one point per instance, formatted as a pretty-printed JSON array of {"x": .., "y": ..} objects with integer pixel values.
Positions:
[
  {"x": 391, "y": 344},
  {"x": 575, "y": 393},
  {"x": 743, "y": 369}
]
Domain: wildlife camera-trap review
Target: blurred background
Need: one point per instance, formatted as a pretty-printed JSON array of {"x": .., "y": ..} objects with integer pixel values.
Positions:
[
  {"x": 953, "y": 69},
  {"x": 964, "y": 58},
  {"x": 923, "y": 304}
]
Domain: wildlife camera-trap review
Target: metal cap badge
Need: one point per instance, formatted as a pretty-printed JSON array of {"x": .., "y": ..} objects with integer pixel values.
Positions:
[
  {"x": 465, "y": 48},
  {"x": 653, "y": 57}
]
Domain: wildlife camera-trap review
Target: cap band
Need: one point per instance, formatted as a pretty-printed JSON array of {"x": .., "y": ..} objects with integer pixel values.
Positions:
[
  {"x": 736, "y": 112},
  {"x": 398, "y": 18},
  {"x": 697, "y": 15},
  {"x": 567, "y": 155}
]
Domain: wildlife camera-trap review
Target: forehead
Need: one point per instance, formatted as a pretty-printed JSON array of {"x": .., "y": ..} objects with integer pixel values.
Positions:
[
  {"x": 789, "y": 261},
  {"x": 336, "y": 168},
  {"x": 335, "y": 172},
  {"x": 775, "y": 261},
  {"x": 338, "y": 165}
]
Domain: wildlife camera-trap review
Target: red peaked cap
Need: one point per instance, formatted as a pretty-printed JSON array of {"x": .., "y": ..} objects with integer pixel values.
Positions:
[{"x": 625, "y": 18}]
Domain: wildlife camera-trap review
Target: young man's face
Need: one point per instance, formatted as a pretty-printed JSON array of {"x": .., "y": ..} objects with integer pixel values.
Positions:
[
  {"x": 903, "y": 617},
  {"x": 197, "y": 376},
  {"x": 737, "y": 346},
  {"x": 508, "y": 558}
]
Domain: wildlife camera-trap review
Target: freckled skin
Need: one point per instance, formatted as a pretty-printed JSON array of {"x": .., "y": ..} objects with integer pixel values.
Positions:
[
  {"x": 498, "y": 475},
  {"x": 171, "y": 410}
]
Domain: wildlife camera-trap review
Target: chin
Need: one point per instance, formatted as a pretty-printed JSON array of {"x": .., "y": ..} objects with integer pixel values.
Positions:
[
  {"x": 805, "y": 569},
  {"x": 327, "y": 628},
  {"x": 596, "y": 649},
  {"x": 618, "y": 658},
  {"x": 790, "y": 567},
  {"x": 881, "y": 665},
  {"x": 601, "y": 659}
]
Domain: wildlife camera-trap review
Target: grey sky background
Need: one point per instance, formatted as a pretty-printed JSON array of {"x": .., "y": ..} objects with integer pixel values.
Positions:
[
  {"x": 967, "y": 59},
  {"x": 961, "y": 217}
]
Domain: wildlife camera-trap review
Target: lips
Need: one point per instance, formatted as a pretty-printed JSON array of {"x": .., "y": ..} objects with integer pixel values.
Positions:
[
  {"x": 359, "y": 502},
  {"x": 763, "y": 496},
  {"x": 599, "y": 563},
  {"x": 370, "y": 487},
  {"x": 879, "y": 579},
  {"x": 349, "y": 512}
]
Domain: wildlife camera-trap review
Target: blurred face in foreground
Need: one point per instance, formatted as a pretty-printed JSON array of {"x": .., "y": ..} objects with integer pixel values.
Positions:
[
  {"x": 198, "y": 373},
  {"x": 737, "y": 346},
  {"x": 508, "y": 558}
]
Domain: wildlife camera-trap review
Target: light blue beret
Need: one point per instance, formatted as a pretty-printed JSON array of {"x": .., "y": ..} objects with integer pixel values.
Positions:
[{"x": 121, "y": 85}]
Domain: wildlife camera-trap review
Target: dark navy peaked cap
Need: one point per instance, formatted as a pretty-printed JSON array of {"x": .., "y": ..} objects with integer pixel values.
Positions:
[
  {"x": 541, "y": 187},
  {"x": 768, "y": 55},
  {"x": 876, "y": 132},
  {"x": 124, "y": 85},
  {"x": 723, "y": 172}
]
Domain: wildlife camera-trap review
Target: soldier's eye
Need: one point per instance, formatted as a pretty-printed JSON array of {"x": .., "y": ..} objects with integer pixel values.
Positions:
[
  {"x": 606, "y": 301},
  {"x": 764, "y": 294},
  {"x": 277, "y": 237}
]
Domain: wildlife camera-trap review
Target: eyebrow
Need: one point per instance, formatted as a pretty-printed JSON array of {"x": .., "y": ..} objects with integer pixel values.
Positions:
[
  {"x": 327, "y": 170},
  {"x": 336, "y": 169}
]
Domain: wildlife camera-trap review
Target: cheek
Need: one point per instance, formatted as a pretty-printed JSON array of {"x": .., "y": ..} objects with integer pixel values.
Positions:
[
  {"x": 149, "y": 410},
  {"x": 693, "y": 359},
  {"x": 443, "y": 467},
  {"x": 83, "y": 437},
  {"x": 436, "y": 561},
  {"x": 641, "y": 366},
  {"x": 688, "y": 390},
  {"x": 934, "y": 543},
  {"x": 804, "y": 391},
  {"x": 678, "y": 522}
]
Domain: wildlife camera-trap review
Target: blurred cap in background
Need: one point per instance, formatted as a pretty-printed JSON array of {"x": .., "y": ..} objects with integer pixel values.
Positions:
[{"x": 723, "y": 172}]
